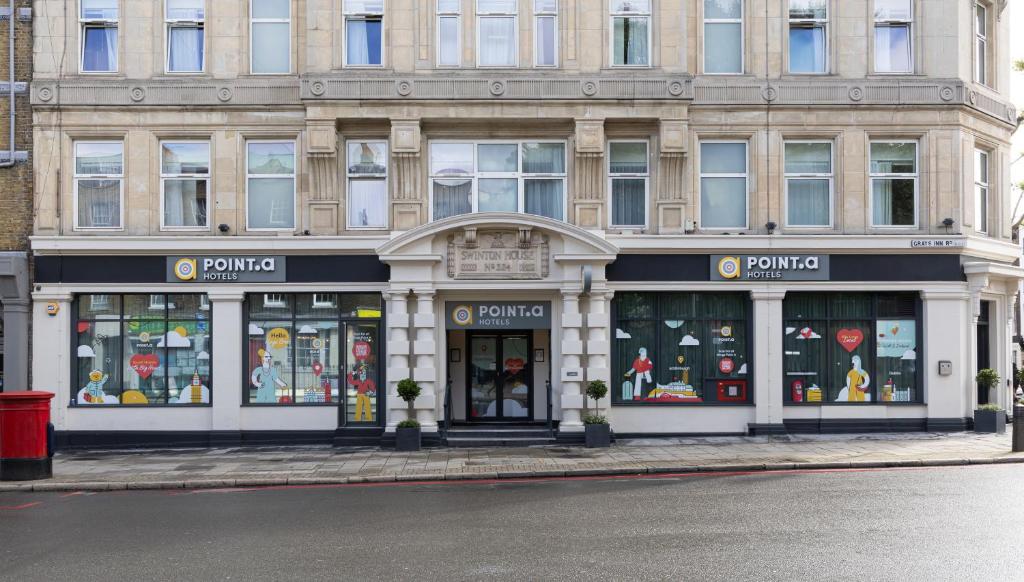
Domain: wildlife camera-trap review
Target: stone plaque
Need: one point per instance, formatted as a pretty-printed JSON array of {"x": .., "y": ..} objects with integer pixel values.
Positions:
[{"x": 498, "y": 254}]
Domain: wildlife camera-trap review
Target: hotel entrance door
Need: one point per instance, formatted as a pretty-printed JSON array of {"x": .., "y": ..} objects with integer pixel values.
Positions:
[{"x": 500, "y": 382}]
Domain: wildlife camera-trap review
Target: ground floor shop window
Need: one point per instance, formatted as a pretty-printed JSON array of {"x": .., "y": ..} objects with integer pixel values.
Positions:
[
  {"x": 142, "y": 349},
  {"x": 851, "y": 348},
  {"x": 681, "y": 348},
  {"x": 314, "y": 348}
]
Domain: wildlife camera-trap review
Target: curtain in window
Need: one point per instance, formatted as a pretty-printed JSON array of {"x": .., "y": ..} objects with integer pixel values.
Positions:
[
  {"x": 186, "y": 48},
  {"x": 893, "y": 203},
  {"x": 543, "y": 158},
  {"x": 448, "y": 40},
  {"x": 497, "y": 42},
  {"x": 807, "y": 49},
  {"x": 271, "y": 50},
  {"x": 546, "y": 40},
  {"x": 630, "y": 41},
  {"x": 628, "y": 201},
  {"x": 100, "y": 49},
  {"x": 452, "y": 197},
  {"x": 544, "y": 198},
  {"x": 723, "y": 47},
  {"x": 185, "y": 202},
  {"x": 363, "y": 41},
  {"x": 892, "y": 49},
  {"x": 808, "y": 203},
  {"x": 367, "y": 203},
  {"x": 99, "y": 203}
]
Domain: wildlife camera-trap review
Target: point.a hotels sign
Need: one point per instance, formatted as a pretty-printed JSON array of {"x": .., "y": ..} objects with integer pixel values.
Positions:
[
  {"x": 226, "y": 269},
  {"x": 498, "y": 315},
  {"x": 769, "y": 268}
]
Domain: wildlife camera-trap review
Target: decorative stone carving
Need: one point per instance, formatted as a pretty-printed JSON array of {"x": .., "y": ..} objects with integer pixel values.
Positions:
[
  {"x": 323, "y": 170},
  {"x": 521, "y": 254},
  {"x": 404, "y": 87},
  {"x": 590, "y": 135},
  {"x": 676, "y": 88},
  {"x": 674, "y": 134},
  {"x": 946, "y": 93},
  {"x": 497, "y": 88},
  {"x": 225, "y": 94},
  {"x": 972, "y": 97},
  {"x": 856, "y": 93},
  {"x": 769, "y": 94},
  {"x": 137, "y": 94},
  {"x": 670, "y": 179},
  {"x": 408, "y": 181},
  {"x": 45, "y": 94},
  {"x": 318, "y": 88},
  {"x": 589, "y": 176},
  {"x": 405, "y": 135},
  {"x": 589, "y": 88}
]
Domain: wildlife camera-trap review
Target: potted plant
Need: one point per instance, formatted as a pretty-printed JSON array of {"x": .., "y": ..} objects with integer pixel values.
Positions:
[
  {"x": 990, "y": 418},
  {"x": 407, "y": 435},
  {"x": 597, "y": 430}
]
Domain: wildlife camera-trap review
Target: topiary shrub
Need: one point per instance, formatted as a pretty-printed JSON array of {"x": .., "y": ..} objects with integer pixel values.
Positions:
[{"x": 409, "y": 391}]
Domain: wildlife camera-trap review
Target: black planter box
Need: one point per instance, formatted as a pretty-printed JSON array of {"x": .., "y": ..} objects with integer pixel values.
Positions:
[
  {"x": 598, "y": 436},
  {"x": 990, "y": 421},
  {"x": 407, "y": 439}
]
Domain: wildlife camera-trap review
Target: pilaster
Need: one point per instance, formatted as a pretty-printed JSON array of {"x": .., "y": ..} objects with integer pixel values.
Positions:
[
  {"x": 323, "y": 173},
  {"x": 398, "y": 354},
  {"x": 589, "y": 203},
  {"x": 598, "y": 342},
  {"x": 51, "y": 372},
  {"x": 950, "y": 334},
  {"x": 767, "y": 360},
  {"x": 407, "y": 189},
  {"x": 571, "y": 374},
  {"x": 225, "y": 395},
  {"x": 424, "y": 351}
]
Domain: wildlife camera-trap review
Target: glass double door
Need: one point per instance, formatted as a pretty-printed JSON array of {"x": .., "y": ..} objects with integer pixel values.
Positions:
[{"x": 500, "y": 382}]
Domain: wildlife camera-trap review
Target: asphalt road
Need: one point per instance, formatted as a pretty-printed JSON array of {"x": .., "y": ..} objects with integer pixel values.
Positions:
[{"x": 962, "y": 523}]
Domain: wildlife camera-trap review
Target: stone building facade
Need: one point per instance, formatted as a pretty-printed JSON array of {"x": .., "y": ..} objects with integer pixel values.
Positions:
[{"x": 254, "y": 217}]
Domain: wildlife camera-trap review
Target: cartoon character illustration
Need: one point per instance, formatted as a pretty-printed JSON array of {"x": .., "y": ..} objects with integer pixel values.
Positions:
[
  {"x": 266, "y": 379},
  {"x": 93, "y": 392},
  {"x": 642, "y": 367},
  {"x": 858, "y": 382},
  {"x": 195, "y": 393},
  {"x": 674, "y": 392},
  {"x": 366, "y": 388}
]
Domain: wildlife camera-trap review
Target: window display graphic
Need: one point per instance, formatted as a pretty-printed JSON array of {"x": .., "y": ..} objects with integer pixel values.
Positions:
[
  {"x": 195, "y": 393},
  {"x": 266, "y": 379},
  {"x": 642, "y": 367},
  {"x": 93, "y": 392},
  {"x": 858, "y": 383},
  {"x": 362, "y": 372}
]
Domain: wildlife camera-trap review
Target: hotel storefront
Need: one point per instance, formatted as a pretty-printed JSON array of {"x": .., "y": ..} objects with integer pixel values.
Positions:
[{"x": 502, "y": 319}]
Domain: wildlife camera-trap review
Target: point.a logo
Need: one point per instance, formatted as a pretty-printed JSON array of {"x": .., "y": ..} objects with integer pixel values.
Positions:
[
  {"x": 729, "y": 267},
  {"x": 185, "y": 269},
  {"x": 462, "y": 315}
]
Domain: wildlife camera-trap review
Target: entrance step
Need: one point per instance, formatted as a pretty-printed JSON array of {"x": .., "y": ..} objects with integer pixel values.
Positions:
[{"x": 499, "y": 435}]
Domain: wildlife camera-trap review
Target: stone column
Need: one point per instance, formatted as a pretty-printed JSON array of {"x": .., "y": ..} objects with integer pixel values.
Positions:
[
  {"x": 424, "y": 350},
  {"x": 599, "y": 344},
  {"x": 572, "y": 373},
  {"x": 767, "y": 361},
  {"x": 398, "y": 354},
  {"x": 225, "y": 397},
  {"x": 14, "y": 295}
]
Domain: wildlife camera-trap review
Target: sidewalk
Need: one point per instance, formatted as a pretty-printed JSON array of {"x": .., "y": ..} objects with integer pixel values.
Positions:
[{"x": 260, "y": 467}]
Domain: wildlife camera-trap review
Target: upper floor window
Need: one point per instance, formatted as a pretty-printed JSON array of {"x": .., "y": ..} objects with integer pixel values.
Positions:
[
  {"x": 364, "y": 28},
  {"x": 497, "y": 33},
  {"x": 981, "y": 186},
  {"x": 449, "y": 33},
  {"x": 981, "y": 44},
  {"x": 808, "y": 183},
  {"x": 894, "y": 183},
  {"x": 723, "y": 36},
  {"x": 185, "y": 183},
  {"x": 185, "y": 21},
  {"x": 629, "y": 174},
  {"x": 631, "y": 32},
  {"x": 808, "y": 36},
  {"x": 367, "y": 184},
  {"x": 99, "y": 184},
  {"x": 498, "y": 177},
  {"x": 98, "y": 20},
  {"x": 893, "y": 39},
  {"x": 270, "y": 185},
  {"x": 723, "y": 184},
  {"x": 270, "y": 37},
  {"x": 545, "y": 42}
]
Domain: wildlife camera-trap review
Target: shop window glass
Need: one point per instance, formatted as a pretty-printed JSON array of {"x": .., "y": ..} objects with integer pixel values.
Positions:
[
  {"x": 850, "y": 348},
  {"x": 142, "y": 349},
  {"x": 361, "y": 372},
  {"x": 681, "y": 348}
]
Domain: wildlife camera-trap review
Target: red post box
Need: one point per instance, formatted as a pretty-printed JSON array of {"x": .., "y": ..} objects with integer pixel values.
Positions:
[{"x": 24, "y": 436}]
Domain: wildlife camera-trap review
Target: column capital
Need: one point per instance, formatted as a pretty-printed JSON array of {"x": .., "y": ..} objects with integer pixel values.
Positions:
[
  {"x": 768, "y": 295},
  {"x": 571, "y": 294},
  {"x": 395, "y": 295},
  {"x": 955, "y": 295},
  {"x": 424, "y": 294},
  {"x": 58, "y": 296},
  {"x": 226, "y": 295}
]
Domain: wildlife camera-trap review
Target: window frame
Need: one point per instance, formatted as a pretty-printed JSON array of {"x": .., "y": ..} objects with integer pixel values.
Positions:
[
  {"x": 877, "y": 23},
  {"x": 649, "y": 16},
  {"x": 291, "y": 39},
  {"x": 86, "y": 23},
  {"x": 981, "y": 211},
  {"x": 809, "y": 23},
  {"x": 442, "y": 15},
  {"x": 537, "y": 16},
  {"x": 76, "y": 177},
  {"x": 611, "y": 177},
  {"x": 981, "y": 45},
  {"x": 743, "y": 38},
  {"x": 787, "y": 176},
  {"x": 348, "y": 181},
  {"x": 208, "y": 178},
  {"x": 170, "y": 23},
  {"x": 295, "y": 185},
  {"x": 746, "y": 184},
  {"x": 363, "y": 16},
  {"x": 480, "y": 16},
  {"x": 521, "y": 176},
  {"x": 916, "y": 177}
]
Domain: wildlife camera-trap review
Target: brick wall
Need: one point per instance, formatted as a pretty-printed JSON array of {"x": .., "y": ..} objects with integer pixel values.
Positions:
[{"x": 16, "y": 182}]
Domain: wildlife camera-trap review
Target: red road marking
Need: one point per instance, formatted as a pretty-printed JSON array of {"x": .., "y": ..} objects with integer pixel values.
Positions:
[{"x": 19, "y": 507}]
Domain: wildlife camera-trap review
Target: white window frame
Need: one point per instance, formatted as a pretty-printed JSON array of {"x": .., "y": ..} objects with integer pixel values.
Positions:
[
  {"x": 350, "y": 176},
  {"x": 77, "y": 177},
  {"x": 522, "y": 177},
  {"x": 981, "y": 45},
  {"x": 86, "y": 23},
  {"x": 611, "y": 177},
  {"x": 444, "y": 15},
  {"x": 208, "y": 177},
  {"x": 787, "y": 176},
  {"x": 916, "y": 177},
  {"x": 319, "y": 301},
  {"x": 743, "y": 39},
  {"x": 170, "y": 23},
  {"x": 252, "y": 39},
  {"x": 358, "y": 15},
  {"x": 274, "y": 300},
  {"x": 746, "y": 184},
  {"x": 981, "y": 213},
  {"x": 823, "y": 24},
  {"x": 612, "y": 15},
  {"x": 480, "y": 15},
  {"x": 295, "y": 186},
  {"x": 894, "y": 22},
  {"x": 537, "y": 16}
]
